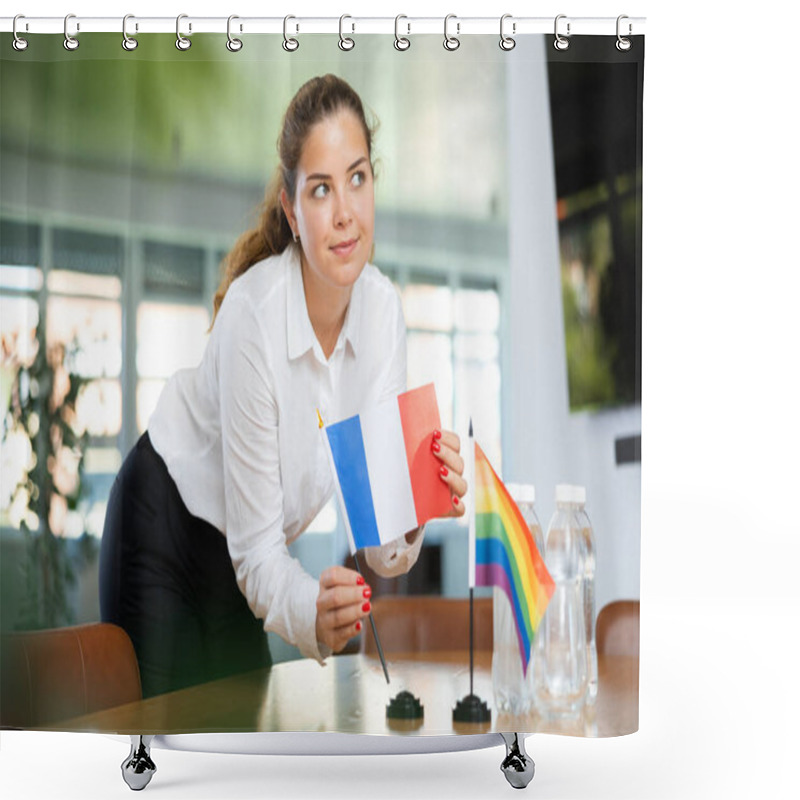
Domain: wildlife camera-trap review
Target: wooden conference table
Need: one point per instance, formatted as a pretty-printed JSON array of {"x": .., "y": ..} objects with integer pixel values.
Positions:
[{"x": 350, "y": 694}]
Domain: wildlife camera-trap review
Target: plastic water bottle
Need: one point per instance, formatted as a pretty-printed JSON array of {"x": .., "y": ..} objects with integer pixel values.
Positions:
[
  {"x": 513, "y": 690},
  {"x": 561, "y": 676},
  {"x": 588, "y": 589}
]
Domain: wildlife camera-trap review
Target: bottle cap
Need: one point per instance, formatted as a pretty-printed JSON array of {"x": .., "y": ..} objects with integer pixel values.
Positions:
[
  {"x": 522, "y": 492},
  {"x": 568, "y": 493}
]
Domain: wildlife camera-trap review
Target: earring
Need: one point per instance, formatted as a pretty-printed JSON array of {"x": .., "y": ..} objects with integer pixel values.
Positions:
[{"x": 295, "y": 236}]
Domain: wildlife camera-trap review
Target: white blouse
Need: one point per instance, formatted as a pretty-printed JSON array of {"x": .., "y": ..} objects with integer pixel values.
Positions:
[{"x": 240, "y": 437}]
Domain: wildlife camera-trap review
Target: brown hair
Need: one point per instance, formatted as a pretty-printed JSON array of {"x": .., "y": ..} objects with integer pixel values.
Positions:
[{"x": 315, "y": 101}]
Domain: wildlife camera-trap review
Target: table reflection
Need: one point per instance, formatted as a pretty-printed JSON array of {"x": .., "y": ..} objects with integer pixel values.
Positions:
[{"x": 349, "y": 694}]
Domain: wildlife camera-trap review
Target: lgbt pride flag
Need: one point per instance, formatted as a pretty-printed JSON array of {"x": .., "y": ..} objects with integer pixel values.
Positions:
[
  {"x": 505, "y": 554},
  {"x": 387, "y": 478}
]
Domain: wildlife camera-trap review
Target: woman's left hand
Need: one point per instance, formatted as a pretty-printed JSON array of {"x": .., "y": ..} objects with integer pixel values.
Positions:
[{"x": 446, "y": 446}]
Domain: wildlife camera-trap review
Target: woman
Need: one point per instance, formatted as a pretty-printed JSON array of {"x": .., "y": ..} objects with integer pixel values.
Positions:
[{"x": 194, "y": 560}]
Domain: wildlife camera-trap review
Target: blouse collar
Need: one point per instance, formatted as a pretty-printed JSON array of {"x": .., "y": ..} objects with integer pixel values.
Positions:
[{"x": 300, "y": 334}]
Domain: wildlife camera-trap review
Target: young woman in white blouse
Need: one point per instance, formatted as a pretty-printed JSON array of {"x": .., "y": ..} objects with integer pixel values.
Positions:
[{"x": 194, "y": 560}]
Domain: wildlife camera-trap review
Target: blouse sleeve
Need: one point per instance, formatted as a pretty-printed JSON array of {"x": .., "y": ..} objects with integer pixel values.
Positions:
[
  {"x": 396, "y": 557},
  {"x": 278, "y": 590}
]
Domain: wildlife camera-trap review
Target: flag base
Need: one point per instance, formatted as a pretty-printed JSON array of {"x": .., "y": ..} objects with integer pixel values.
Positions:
[
  {"x": 405, "y": 706},
  {"x": 472, "y": 709}
]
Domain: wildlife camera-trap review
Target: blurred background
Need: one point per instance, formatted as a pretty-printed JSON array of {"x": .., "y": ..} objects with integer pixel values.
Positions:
[{"x": 508, "y": 215}]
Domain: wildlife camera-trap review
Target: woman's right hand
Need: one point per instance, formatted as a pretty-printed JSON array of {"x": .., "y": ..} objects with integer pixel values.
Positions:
[{"x": 342, "y": 603}]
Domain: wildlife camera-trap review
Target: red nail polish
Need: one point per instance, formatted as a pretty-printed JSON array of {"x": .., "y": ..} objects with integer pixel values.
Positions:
[
  {"x": 437, "y": 434},
  {"x": 358, "y": 626},
  {"x": 360, "y": 580},
  {"x": 365, "y": 608},
  {"x": 455, "y": 501},
  {"x": 436, "y": 447},
  {"x": 444, "y": 472},
  {"x": 367, "y": 592}
]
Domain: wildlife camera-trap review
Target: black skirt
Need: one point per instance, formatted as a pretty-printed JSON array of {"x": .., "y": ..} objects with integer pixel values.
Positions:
[{"x": 166, "y": 577}]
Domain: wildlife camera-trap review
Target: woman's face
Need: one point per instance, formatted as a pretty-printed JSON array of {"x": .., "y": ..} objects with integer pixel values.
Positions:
[{"x": 333, "y": 211}]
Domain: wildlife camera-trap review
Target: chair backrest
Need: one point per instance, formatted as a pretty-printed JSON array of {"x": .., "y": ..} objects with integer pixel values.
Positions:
[
  {"x": 618, "y": 628},
  {"x": 424, "y": 623},
  {"x": 52, "y": 675}
]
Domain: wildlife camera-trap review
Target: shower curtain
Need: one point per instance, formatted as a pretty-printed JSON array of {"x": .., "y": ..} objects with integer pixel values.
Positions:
[{"x": 506, "y": 228}]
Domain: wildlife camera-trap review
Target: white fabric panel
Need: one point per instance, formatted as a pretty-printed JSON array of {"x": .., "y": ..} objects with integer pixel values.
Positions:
[{"x": 387, "y": 464}]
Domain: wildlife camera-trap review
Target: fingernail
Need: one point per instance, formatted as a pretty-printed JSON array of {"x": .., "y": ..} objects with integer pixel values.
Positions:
[
  {"x": 443, "y": 471},
  {"x": 455, "y": 501},
  {"x": 360, "y": 580},
  {"x": 365, "y": 608},
  {"x": 367, "y": 592},
  {"x": 437, "y": 434},
  {"x": 358, "y": 626},
  {"x": 436, "y": 447}
]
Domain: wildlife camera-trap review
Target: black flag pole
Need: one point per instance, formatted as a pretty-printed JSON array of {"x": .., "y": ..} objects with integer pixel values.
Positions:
[
  {"x": 358, "y": 568},
  {"x": 471, "y": 640},
  {"x": 471, "y": 708},
  {"x": 403, "y": 707},
  {"x": 471, "y": 588},
  {"x": 374, "y": 630}
]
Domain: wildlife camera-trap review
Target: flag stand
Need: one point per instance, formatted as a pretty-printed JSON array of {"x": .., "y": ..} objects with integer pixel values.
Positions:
[{"x": 471, "y": 708}]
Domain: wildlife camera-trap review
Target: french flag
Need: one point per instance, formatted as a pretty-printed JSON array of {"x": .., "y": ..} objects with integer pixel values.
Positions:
[{"x": 387, "y": 477}]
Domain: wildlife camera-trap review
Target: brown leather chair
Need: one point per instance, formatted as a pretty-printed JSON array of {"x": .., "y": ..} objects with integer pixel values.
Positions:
[
  {"x": 617, "y": 631},
  {"x": 52, "y": 675},
  {"x": 424, "y": 623}
]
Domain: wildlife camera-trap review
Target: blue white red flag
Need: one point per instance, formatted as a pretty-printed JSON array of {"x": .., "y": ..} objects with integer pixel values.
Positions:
[{"x": 386, "y": 476}]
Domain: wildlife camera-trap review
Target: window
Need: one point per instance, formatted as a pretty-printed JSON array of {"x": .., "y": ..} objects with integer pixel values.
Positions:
[
  {"x": 20, "y": 281},
  {"x": 454, "y": 341},
  {"x": 62, "y": 334},
  {"x": 476, "y": 347},
  {"x": 19, "y": 319},
  {"x": 185, "y": 328},
  {"x": 83, "y": 331},
  {"x": 173, "y": 310}
]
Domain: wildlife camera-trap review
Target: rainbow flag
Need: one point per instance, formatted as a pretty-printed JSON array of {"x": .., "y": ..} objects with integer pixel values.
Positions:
[{"x": 505, "y": 554}]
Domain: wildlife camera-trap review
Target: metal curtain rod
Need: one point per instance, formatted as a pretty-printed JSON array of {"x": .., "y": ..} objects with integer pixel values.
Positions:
[{"x": 458, "y": 26}]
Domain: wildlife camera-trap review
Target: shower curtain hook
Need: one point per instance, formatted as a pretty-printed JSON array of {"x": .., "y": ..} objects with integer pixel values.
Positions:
[
  {"x": 561, "y": 42},
  {"x": 345, "y": 42},
  {"x": 70, "y": 42},
  {"x": 289, "y": 44},
  {"x": 623, "y": 44},
  {"x": 400, "y": 42},
  {"x": 19, "y": 43},
  {"x": 451, "y": 43},
  {"x": 507, "y": 42},
  {"x": 233, "y": 44},
  {"x": 182, "y": 43},
  {"x": 128, "y": 42}
]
